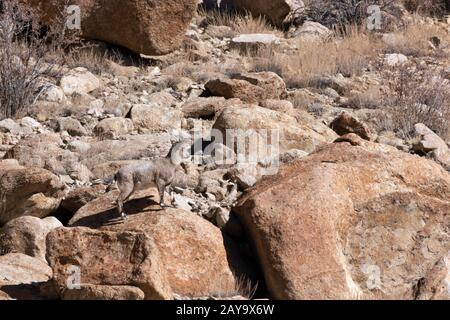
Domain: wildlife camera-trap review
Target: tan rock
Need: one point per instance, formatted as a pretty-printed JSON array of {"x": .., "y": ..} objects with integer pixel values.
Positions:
[
  {"x": 192, "y": 249},
  {"x": 204, "y": 108},
  {"x": 148, "y": 118},
  {"x": 232, "y": 88},
  {"x": 159, "y": 114},
  {"x": 313, "y": 31},
  {"x": 346, "y": 123},
  {"x": 113, "y": 128},
  {"x": 29, "y": 191},
  {"x": 278, "y": 105},
  {"x": 252, "y": 42},
  {"x": 107, "y": 258},
  {"x": 27, "y": 235},
  {"x": 78, "y": 197},
  {"x": 430, "y": 142},
  {"x": 128, "y": 148},
  {"x": 96, "y": 292},
  {"x": 79, "y": 80},
  {"x": 293, "y": 133},
  {"x": 44, "y": 151},
  {"x": 249, "y": 87},
  {"x": 22, "y": 275},
  {"x": 353, "y": 220}
]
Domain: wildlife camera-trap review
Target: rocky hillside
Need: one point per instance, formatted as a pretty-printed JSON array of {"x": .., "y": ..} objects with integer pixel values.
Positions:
[{"x": 318, "y": 163}]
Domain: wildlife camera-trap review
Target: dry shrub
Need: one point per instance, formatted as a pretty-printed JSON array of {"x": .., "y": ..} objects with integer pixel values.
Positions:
[
  {"x": 29, "y": 54},
  {"x": 414, "y": 40},
  {"x": 368, "y": 99},
  {"x": 243, "y": 287},
  {"x": 313, "y": 60},
  {"x": 336, "y": 14},
  {"x": 238, "y": 22},
  {"x": 94, "y": 59},
  {"x": 417, "y": 97},
  {"x": 436, "y": 8}
]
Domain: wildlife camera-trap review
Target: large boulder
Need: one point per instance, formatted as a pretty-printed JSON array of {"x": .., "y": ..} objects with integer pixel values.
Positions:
[
  {"x": 353, "y": 220},
  {"x": 81, "y": 256},
  {"x": 276, "y": 11},
  {"x": 28, "y": 191},
  {"x": 158, "y": 114},
  {"x": 69, "y": 124},
  {"x": 294, "y": 133},
  {"x": 113, "y": 128},
  {"x": 128, "y": 148},
  {"x": 44, "y": 150},
  {"x": 27, "y": 235},
  {"x": 78, "y": 197},
  {"x": 136, "y": 25},
  {"x": 193, "y": 251},
  {"x": 22, "y": 275}
]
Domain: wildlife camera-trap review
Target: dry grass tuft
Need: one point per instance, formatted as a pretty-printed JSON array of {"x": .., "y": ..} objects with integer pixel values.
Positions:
[
  {"x": 368, "y": 99},
  {"x": 414, "y": 40},
  {"x": 348, "y": 56},
  {"x": 243, "y": 287},
  {"x": 238, "y": 22},
  {"x": 94, "y": 59}
]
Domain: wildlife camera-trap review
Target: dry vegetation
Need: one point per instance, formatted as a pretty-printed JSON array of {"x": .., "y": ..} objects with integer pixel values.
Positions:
[
  {"x": 414, "y": 40},
  {"x": 29, "y": 55},
  {"x": 244, "y": 287},
  {"x": 94, "y": 59},
  {"x": 416, "y": 97},
  {"x": 427, "y": 7},
  {"x": 239, "y": 23},
  {"x": 313, "y": 60}
]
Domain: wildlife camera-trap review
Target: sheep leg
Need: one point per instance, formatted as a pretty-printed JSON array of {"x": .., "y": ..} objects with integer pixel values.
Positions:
[
  {"x": 161, "y": 189},
  {"x": 124, "y": 195}
]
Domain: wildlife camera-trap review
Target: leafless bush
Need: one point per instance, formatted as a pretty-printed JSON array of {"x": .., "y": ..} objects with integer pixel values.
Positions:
[
  {"x": 28, "y": 55},
  {"x": 430, "y": 7},
  {"x": 336, "y": 14},
  {"x": 414, "y": 98}
]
